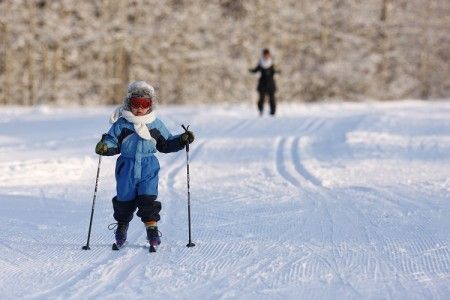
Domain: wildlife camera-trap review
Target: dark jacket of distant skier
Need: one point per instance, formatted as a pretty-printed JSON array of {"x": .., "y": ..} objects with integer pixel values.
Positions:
[{"x": 266, "y": 83}]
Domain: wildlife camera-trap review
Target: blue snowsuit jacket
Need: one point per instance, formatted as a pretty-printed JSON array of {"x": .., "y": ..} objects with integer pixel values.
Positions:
[{"x": 137, "y": 167}]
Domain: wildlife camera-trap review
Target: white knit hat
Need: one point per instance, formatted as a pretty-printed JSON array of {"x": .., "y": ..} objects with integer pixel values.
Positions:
[{"x": 139, "y": 89}]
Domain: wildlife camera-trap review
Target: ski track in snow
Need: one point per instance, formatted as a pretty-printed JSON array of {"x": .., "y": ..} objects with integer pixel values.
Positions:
[{"x": 332, "y": 201}]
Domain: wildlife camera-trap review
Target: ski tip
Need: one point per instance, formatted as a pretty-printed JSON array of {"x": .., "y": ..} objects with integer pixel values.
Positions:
[{"x": 118, "y": 247}]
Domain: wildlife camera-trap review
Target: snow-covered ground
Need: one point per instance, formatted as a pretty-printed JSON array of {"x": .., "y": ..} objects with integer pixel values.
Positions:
[{"x": 330, "y": 201}]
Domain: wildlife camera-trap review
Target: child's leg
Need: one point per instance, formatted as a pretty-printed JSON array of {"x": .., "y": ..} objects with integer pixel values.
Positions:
[
  {"x": 148, "y": 208},
  {"x": 124, "y": 204},
  {"x": 123, "y": 210},
  {"x": 123, "y": 213},
  {"x": 148, "y": 211},
  {"x": 125, "y": 182},
  {"x": 147, "y": 191}
]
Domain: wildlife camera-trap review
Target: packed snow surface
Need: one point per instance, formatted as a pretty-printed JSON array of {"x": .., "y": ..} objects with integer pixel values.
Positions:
[{"x": 323, "y": 201}]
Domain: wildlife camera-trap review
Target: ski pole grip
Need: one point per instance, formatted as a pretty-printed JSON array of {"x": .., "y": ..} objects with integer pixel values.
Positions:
[{"x": 186, "y": 130}]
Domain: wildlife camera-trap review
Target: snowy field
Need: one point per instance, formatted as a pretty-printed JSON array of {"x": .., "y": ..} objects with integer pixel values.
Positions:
[{"x": 330, "y": 201}]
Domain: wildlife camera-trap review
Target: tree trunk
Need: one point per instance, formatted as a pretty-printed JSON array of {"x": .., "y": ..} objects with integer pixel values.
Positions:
[
  {"x": 5, "y": 64},
  {"x": 383, "y": 67}
]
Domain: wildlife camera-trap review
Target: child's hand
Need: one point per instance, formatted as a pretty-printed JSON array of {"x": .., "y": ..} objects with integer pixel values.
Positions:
[
  {"x": 101, "y": 148},
  {"x": 187, "y": 137}
]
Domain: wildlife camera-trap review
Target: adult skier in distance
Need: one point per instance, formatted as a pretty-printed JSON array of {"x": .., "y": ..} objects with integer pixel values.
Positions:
[
  {"x": 137, "y": 134},
  {"x": 266, "y": 83}
]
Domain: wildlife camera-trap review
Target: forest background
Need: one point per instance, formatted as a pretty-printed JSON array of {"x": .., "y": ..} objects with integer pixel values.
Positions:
[{"x": 86, "y": 52}]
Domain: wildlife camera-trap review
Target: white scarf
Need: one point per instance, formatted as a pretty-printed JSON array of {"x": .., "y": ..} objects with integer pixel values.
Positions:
[
  {"x": 265, "y": 63},
  {"x": 139, "y": 122}
]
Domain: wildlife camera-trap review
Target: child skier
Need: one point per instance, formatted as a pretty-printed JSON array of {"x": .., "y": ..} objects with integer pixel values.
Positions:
[{"x": 136, "y": 134}]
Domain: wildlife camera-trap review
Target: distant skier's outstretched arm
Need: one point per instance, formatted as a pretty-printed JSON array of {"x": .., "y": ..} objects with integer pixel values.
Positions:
[{"x": 255, "y": 69}]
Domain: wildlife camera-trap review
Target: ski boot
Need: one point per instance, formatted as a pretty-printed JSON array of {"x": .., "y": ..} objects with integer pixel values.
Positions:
[
  {"x": 120, "y": 234},
  {"x": 153, "y": 235}
]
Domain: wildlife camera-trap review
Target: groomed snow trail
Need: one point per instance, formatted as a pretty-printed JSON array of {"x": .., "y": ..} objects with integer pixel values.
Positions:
[{"x": 330, "y": 201}]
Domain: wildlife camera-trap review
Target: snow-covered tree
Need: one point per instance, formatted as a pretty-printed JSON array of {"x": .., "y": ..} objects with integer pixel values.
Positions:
[{"x": 199, "y": 51}]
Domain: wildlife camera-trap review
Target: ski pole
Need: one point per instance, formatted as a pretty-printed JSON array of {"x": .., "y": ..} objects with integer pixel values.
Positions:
[
  {"x": 190, "y": 243},
  {"x": 86, "y": 247}
]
